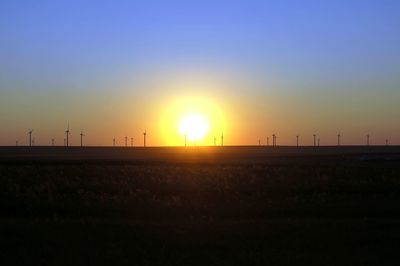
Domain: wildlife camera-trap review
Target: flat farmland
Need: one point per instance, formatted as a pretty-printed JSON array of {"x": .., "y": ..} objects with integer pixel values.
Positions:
[{"x": 200, "y": 205}]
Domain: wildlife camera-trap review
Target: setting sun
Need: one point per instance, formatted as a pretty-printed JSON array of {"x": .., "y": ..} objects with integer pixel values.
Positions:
[
  {"x": 193, "y": 126},
  {"x": 192, "y": 120}
]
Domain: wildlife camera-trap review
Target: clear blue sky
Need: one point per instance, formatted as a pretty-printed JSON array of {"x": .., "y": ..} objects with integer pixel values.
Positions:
[{"x": 299, "y": 66}]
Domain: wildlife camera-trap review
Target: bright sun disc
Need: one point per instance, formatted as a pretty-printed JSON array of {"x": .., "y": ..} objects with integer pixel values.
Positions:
[{"x": 193, "y": 126}]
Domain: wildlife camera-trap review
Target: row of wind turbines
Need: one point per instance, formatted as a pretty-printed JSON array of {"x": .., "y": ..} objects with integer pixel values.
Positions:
[
  {"x": 68, "y": 134},
  {"x": 316, "y": 141},
  {"x": 215, "y": 140},
  {"x": 126, "y": 140}
]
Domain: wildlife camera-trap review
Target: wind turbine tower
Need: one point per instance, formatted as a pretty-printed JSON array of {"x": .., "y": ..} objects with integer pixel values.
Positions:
[
  {"x": 338, "y": 139},
  {"x": 185, "y": 139},
  {"x": 297, "y": 140},
  {"x": 52, "y": 142},
  {"x": 222, "y": 139},
  {"x": 82, "y": 135},
  {"x": 114, "y": 141},
  {"x": 131, "y": 142},
  {"x": 367, "y": 139},
  {"x": 273, "y": 140},
  {"x": 30, "y": 137},
  {"x": 267, "y": 141},
  {"x": 315, "y": 143},
  {"x": 67, "y": 133},
  {"x": 126, "y": 141},
  {"x": 144, "y": 138}
]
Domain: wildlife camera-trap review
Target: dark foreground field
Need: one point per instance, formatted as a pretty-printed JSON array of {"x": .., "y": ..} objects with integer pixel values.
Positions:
[{"x": 200, "y": 206}]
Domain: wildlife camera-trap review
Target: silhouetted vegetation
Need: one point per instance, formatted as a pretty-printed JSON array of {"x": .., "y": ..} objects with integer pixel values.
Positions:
[{"x": 281, "y": 212}]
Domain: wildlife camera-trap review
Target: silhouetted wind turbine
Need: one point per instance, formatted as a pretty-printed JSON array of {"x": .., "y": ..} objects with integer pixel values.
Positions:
[
  {"x": 259, "y": 142},
  {"x": 82, "y": 135},
  {"x": 297, "y": 140},
  {"x": 368, "y": 139},
  {"x": 144, "y": 138},
  {"x": 315, "y": 143},
  {"x": 30, "y": 137},
  {"x": 185, "y": 139},
  {"x": 338, "y": 139},
  {"x": 267, "y": 141},
  {"x": 222, "y": 139},
  {"x": 273, "y": 140},
  {"x": 131, "y": 142},
  {"x": 67, "y": 133},
  {"x": 387, "y": 142},
  {"x": 16, "y": 143},
  {"x": 114, "y": 141},
  {"x": 52, "y": 142},
  {"x": 126, "y": 141}
]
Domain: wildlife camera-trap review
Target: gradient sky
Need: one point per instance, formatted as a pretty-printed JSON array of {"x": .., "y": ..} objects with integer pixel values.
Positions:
[{"x": 115, "y": 68}]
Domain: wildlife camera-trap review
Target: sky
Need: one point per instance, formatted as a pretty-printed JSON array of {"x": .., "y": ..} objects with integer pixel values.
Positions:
[{"x": 252, "y": 68}]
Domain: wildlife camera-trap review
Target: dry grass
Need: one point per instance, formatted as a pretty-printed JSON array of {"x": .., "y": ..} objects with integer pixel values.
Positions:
[{"x": 304, "y": 211}]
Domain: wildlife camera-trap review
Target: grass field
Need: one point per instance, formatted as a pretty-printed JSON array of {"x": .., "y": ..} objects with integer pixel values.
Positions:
[{"x": 200, "y": 206}]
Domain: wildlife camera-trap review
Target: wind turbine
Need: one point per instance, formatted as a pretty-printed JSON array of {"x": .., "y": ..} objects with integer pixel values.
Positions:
[
  {"x": 368, "y": 139},
  {"x": 114, "y": 141},
  {"x": 185, "y": 139},
  {"x": 82, "y": 135},
  {"x": 144, "y": 138},
  {"x": 16, "y": 143},
  {"x": 387, "y": 142},
  {"x": 52, "y": 142},
  {"x": 126, "y": 141},
  {"x": 30, "y": 137},
  {"x": 131, "y": 142},
  {"x": 259, "y": 142},
  {"x": 67, "y": 133},
  {"x": 338, "y": 139},
  {"x": 222, "y": 139},
  {"x": 315, "y": 143},
  {"x": 267, "y": 141},
  {"x": 297, "y": 140},
  {"x": 273, "y": 140}
]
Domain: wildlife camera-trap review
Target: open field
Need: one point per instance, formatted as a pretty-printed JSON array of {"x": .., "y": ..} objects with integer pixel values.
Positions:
[{"x": 200, "y": 206}]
